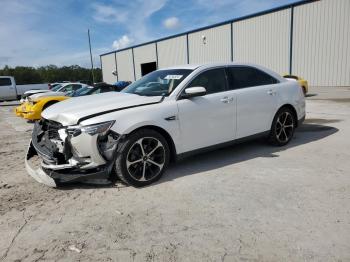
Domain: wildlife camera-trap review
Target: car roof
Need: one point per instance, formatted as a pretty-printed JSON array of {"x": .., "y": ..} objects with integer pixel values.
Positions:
[
  {"x": 209, "y": 65},
  {"x": 213, "y": 65}
]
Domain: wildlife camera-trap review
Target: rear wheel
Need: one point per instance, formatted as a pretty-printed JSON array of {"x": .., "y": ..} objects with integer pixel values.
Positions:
[
  {"x": 143, "y": 158},
  {"x": 282, "y": 128}
]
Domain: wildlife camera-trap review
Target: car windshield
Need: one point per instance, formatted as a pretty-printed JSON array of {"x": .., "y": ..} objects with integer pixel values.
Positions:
[
  {"x": 85, "y": 90},
  {"x": 56, "y": 87},
  {"x": 158, "y": 83}
]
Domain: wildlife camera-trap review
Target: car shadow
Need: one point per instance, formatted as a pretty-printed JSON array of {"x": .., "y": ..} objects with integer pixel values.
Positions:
[
  {"x": 312, "y": 130},
  {"x": 307, "y": 133}
]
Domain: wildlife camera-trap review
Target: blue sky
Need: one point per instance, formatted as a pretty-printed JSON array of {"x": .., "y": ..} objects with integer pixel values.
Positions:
[{"x": 39, "y": 32}]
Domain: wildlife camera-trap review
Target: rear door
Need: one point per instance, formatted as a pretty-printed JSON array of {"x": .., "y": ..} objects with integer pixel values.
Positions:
[
  {"x": 7, "y": 89},
  {"x": 256, "y": 99}
]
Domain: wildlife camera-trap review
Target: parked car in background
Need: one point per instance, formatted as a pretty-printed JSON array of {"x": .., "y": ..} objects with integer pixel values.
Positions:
[
  {"x": 122, "y": 84},
  {"x": 167, "y": 114},
  {"x": 32, "y": 109},
  {"x": 8, "y": 89},
  {"x": 302, "y": 82},
  {"x": 52, "y": 85},
  {"x": 58, "y": 89},
  {"x": 61, "y": 89}
]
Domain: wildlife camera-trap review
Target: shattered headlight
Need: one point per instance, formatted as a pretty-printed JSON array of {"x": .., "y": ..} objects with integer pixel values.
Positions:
[{"x": 100, "y": 128}]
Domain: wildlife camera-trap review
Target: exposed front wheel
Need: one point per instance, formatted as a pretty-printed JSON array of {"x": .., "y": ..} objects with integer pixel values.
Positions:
[
  {"x": 143, "y": 158},
  {"x": 282, "y": 128}
]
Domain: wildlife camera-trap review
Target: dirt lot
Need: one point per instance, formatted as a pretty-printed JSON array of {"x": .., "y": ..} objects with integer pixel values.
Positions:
[{"x": 251, "y": 202}]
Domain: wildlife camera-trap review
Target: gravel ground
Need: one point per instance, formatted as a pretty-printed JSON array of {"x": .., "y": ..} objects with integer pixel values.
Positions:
[{"x": 251, "y": 202}]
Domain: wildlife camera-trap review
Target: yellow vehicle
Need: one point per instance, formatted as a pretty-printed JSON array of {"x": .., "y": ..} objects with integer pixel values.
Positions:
[
  {"x": 20, "y": 109},
  {"x": 32, "y": 109},
  {"x": 302, "y": 82}
]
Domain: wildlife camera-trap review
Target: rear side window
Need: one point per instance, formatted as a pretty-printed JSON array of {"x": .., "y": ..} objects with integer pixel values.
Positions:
[
  {"x": 76, "y": 86},
  {"x": 5, "y": 82},
  {"x": 241, "y": 77},
  {"x": 213, "y": 81}
]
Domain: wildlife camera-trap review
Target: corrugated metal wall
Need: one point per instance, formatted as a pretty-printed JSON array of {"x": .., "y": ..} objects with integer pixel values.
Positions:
[
  {"x": 264, "y": 40},
  {"x": 108, "y": 62},
  {"x": 216, "y": 48},
  {"x": 144, "y": 54},
  {"x": 320, "y": 45},
  {"x": 172, "y": 52},
  {"x": 321, "y": 42},
  {"x": 125, "y": 65}
]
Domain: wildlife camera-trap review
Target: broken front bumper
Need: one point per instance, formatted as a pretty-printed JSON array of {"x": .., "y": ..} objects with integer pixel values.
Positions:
[{"x": 54, "y": 178}]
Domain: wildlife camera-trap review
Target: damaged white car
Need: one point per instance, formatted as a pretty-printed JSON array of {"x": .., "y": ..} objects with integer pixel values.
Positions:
[{"x": 167, "y": 114}]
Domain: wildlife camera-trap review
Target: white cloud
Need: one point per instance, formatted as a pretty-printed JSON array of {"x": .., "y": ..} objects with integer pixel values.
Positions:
[
  {"x": 26, "y": 42},
  {"x": 132, "y": 16},
  {"x": 171, "y": 22},
  {"x": 122, "y": 42}
]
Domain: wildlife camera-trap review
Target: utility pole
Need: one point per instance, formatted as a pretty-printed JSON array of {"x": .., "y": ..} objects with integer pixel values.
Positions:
[{"x": 92, "y": 63}]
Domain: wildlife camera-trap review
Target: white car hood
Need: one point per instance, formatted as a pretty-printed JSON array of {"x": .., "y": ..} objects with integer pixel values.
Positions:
[
  {"x": 45, "y": 94},
  {"x": 70, "y": 111},
  {"x": 30, "y": 92}
]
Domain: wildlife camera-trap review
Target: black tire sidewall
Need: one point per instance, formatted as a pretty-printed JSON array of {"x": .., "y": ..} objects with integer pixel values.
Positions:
[
  {"x": 273, "y": 135},
  {"x": 120, "y": 164}
]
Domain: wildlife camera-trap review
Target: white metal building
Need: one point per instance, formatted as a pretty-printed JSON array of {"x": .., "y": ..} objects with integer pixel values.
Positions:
[{"x": 307, "y": 38}]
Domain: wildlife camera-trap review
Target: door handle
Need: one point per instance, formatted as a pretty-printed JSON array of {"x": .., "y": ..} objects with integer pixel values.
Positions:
[
  {"x": 225, "y": 99},
  {"x": 271, "y": 92}
]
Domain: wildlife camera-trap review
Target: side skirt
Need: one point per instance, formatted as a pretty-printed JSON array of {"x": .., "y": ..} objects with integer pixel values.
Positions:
[{"x": 221, "y": 145}]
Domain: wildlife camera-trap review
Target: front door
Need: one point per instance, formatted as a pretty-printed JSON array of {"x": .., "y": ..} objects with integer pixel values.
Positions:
[{"x": 210, "y": 119}]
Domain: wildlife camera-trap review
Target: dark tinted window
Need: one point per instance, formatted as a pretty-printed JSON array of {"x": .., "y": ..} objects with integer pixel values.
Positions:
[
  {"x": 76, "y": 86},
  {"x": 105, "y": 89},
  {"x": 213, "y": 81},
  {"x": 5, "y": 82},
  {"x": 240, "y": 77}
]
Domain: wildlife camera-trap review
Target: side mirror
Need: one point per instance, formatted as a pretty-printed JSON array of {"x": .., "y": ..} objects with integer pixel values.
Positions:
[{"x": 194, "y": 91}]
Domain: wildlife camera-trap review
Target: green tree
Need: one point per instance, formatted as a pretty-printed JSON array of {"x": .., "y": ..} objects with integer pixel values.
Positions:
[{"x": 50, "y": 73}]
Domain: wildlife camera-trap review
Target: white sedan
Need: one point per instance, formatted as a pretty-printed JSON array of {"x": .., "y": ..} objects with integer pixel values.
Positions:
[
  {"x": 60, "y": 89},
  {"x": 166, "y": 115}
]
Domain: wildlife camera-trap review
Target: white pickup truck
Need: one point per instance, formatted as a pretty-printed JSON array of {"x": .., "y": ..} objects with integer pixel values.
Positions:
[{"x": 9, "y": 90}]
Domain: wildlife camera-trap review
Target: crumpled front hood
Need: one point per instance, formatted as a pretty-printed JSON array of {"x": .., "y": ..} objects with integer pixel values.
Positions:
[
  {"x": 70, "y": 111},
  {"x": 46, "y": 94}
]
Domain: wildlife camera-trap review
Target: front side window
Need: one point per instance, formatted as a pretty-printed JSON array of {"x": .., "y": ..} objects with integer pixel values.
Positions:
[
  {"x": 5, "y": 82},
  {"x": 85, "y": 90},
  {"x": 56, "y": 87},
  {"x": 213, "y": 81},
  {"x": 158, "y": 83},
  {"x": 242, "y": 76}
]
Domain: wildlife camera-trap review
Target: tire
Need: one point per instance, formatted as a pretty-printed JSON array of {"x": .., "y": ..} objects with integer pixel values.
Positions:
[
  {"x": 283, "y": 127},
  {"x": 140, "y": 166}
]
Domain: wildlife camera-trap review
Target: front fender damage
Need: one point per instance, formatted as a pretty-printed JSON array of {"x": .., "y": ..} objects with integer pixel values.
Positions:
[{"x": 53, "y": 160}]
